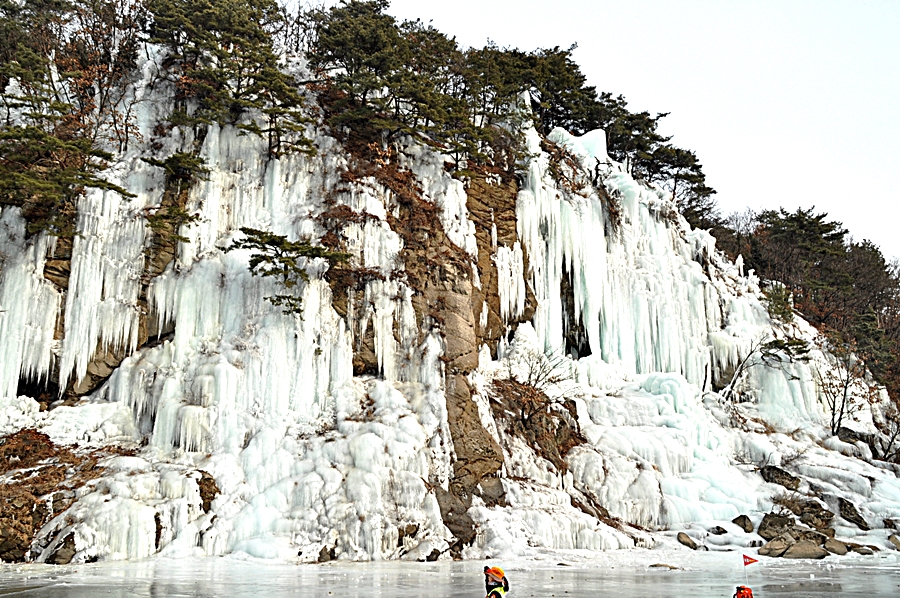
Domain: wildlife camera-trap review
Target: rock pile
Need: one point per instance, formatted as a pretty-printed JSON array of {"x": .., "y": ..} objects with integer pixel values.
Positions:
[{"x": 811, "y": 537}]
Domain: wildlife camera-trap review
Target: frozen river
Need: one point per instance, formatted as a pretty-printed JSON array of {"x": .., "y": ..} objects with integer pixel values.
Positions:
[{"x": 620, "y": 574}]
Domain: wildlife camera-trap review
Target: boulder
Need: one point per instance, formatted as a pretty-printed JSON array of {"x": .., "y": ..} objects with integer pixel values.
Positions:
[
  {"x": 852, "y": 436},
  {"x": 65, "y": 552},
  {"x": 327, "y": 554},
  {"x": 777, "y": 546},
  {"x": 848, "y": 511},
  {"x": 859, "y": 549},
  {"x": 835, "y": 547},
  {"x": 718, "y": 530},
  {"x": 686, "y": 540},
  {"x": 808, "y": 535},
  {"x": 776, "y": 475},
  {"x": 743, "y": 522},
  {"x": 774, "y": 525},
  {"x": 804, "y": 549},
  {"x": 813, "y": 514},
  {"x": 895, "y": 540},
  {"x": 889, "y": 524}
]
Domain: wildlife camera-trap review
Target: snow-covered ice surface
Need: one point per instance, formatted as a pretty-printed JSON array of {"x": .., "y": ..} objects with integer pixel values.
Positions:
[{"x": 563, "y": 575}]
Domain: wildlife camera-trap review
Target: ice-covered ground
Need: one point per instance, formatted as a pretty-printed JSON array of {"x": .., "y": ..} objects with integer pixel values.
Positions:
[{"x": 623, "y": 574}]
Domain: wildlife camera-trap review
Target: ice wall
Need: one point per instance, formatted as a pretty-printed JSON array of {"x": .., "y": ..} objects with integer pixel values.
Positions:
[
  {"x": 309, "y": 457},
  {"x": 651, "y": 294}
]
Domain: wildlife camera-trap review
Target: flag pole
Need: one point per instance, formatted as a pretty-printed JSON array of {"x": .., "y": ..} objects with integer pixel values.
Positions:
[{"x": 747, "y": 561}]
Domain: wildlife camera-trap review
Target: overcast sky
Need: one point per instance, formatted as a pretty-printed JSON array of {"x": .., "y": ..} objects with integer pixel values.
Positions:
[{"x": 787, "y": 103}]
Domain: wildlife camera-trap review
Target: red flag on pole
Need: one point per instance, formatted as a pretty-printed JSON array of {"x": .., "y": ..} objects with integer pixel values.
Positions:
[{"x": 749, "y": 561}]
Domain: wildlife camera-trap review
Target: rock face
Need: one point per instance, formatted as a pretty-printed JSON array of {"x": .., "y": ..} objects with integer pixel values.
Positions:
[
  {"x": 477, "y": 453},
  {"x": 209, "y": 490},
  {"x": 804, "y": 549},
  {"x": 456, "y": 518},
  {"x": 848, "y": 511},
  {"x": 895, "y": 540},
  {"x": 685, "y": 539},
  {"x": 65, "y": 552},
  {"x": 17, "y": 524},
  {"x": 815, "y": 515},
  {"x": 743, "y": 522},
  {"x": 776, "y": 475},
  {"x": 491, "y": 201}
]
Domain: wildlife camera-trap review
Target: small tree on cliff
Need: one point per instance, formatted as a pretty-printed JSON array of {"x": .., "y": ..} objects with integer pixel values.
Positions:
[{"x": 273, "y": 255}]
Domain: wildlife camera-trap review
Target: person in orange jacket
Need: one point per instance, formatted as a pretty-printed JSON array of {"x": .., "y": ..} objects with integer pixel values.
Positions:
[
  {"x": 495, "y": 583},
  {"x": 743, "y": 592}
]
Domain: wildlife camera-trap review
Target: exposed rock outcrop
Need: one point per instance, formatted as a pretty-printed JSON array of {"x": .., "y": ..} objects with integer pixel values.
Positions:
[
  {"x": 18, "y": 523},
  {"x": 849, "y": 512},
  {"x": 64, "y": 552},
  {"x": 773, "y": 525},
  {"x": 776, "y": 475},
  {"x": 209, "y": 490},
  {"x": 491, "y": 202},
  {"x": 41, "y": 480}
]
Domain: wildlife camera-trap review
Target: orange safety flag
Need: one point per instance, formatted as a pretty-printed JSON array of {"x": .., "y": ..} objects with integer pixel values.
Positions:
[{"x": 749, "y": 561}]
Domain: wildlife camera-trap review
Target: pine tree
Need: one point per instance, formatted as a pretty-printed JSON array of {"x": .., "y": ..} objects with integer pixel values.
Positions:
[
  {"x": 48, "y": 154},
  {"x": 559, "y": 94},
  {"x": 357, "y": 49},
  {"x": 275, "y": 256},
  {"x": 226, "y": 70}
]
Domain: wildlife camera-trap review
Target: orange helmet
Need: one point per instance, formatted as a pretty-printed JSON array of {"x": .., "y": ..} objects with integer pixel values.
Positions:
[{"x": 495, "y": 572}]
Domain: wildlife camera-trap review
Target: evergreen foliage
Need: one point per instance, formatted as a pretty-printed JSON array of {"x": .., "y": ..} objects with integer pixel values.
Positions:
[
  {"x": 276, "y": 256},
  {"x": 843, "y": 287},
  {"x": 382, "y": 78},
  {"x": 49, "y": 149},
  {"x": 183, "y": 170},
  {"x": 67, "y": 67},
  {"x": 225, "y": 68},
  {"x": 778, "y": 303},
  {"x": 771, "y": 352}
]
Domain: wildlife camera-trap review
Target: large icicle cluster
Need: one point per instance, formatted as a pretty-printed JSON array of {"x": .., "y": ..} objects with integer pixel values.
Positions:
[{"x": 310, "y": 459}]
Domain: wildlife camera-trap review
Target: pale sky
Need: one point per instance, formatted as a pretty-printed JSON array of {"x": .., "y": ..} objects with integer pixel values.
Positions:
[{"x": 787, "y": 103}]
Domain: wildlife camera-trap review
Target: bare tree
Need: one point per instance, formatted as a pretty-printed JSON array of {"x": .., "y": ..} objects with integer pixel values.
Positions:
[
  {"x": 846, "y": 386},
  {"x": 887, "y": 443},
  {"x": 770, "y": 352},
  {"x": 544, "y": 379}
]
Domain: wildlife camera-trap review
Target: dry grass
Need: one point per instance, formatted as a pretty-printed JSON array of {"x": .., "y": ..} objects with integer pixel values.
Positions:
[{"x": 41, "y": 480}]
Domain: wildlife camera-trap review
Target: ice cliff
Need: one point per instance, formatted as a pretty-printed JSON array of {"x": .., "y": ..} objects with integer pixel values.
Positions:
[{"x": 370, "y": 426}]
